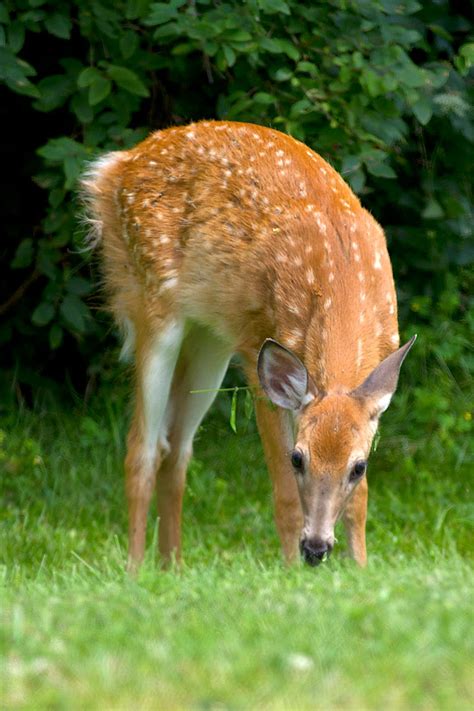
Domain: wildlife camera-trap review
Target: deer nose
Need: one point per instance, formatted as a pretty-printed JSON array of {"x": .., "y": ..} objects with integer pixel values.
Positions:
[{"x": 314, "y": 550}]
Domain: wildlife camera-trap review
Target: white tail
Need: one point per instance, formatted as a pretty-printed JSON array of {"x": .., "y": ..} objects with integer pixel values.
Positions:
[{"x": 214, "y": 238}]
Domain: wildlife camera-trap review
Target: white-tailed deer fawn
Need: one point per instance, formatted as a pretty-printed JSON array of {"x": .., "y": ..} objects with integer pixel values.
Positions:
[{"x": 217, "y": 238}]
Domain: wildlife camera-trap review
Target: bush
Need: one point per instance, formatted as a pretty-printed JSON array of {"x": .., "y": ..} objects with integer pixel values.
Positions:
[{"x": 381, "y": 89}]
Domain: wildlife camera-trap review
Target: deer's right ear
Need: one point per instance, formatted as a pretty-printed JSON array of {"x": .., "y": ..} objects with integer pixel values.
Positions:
[{"x": 283, "y": 376}]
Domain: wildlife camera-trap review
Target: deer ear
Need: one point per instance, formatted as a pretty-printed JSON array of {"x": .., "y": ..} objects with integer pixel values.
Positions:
[
  {"x": 283, "y": 376},
  {"x": 378, "y": 388}
]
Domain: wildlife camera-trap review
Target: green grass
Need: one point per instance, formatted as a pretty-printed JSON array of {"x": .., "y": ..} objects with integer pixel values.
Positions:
[{"x": 234, "y": 629}]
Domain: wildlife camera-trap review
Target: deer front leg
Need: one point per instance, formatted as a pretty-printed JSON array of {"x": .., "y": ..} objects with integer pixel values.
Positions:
[
  {"x": 355, "y": 516},
  {"x": 277, "y": 438}
]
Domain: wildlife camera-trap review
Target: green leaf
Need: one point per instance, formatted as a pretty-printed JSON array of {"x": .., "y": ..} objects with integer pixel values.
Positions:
[
  {"x": 4, "y": 17},
  {"x": 16, "y": 36},
  {"x": 248, "y": 405},
  {"x": 229, "y": 55},
  {"x": 238, "y": 35},
  {"x": 59, "y": 25},
  {"x": 283, "y": 74},
  {"x": 161, "y": 12},
  {"x": 433, "y": 210},
  {"x": 74, "y": 312},
  {"x": 99, "y": 90},
  {"x": 54, "y": 91},
  {"x": 357, "y": 180},
  {"x": 233, "y": 410},
  {"x": 410, "y": 75},
  {"x": 263, "y": 98},
  {"x": 79, "y": 286},
  {"x": 137, "y": 9},
  {"x": 25, "y": 87},
  {"x": 72, "y": 170},
  {"x": 423, "y": 110},
  {"x": 129, "y": 43},
  {"x": 271, "y": 7},
  {"x": 55, "y": 336},
  {"x": 381, "y": 170},
  {"x": 372, "y": 82},
  {"x": 43, "y": 314},
  {"x": 87, "y": 77},
  {"x": 57, "y": 149},
  {"x": 128, "y": 80},
  {"x": 350, "y": 164},
  {"x": 23, "y": 255},
  {"x": 81, "y": 107},
  {"x": 271, "y": 45},
  {"x": 171, "y": 29}
]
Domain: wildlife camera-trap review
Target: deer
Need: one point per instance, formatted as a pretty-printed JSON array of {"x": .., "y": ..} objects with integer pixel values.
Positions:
[{"x": 220, "y": 238}]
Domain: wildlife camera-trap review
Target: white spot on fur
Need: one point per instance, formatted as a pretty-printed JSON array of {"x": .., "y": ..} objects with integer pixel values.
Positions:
[
  {"x": 327, "y": 303},
  {"x": 377, "y": 262},
  {"x": 321, "y": 223},
  {"x": 169, "y": 283},
  {"x": 359, "y": 352},
  {"x": 310, "y": 276},
  {"x": 331, "y": 277}
]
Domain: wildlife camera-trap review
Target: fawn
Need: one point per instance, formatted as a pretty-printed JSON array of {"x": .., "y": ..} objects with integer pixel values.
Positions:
[{"x": 219, "y": 238}]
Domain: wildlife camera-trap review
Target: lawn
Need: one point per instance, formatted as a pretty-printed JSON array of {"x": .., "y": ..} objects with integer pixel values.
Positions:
[{"x": 235, "y": 628}]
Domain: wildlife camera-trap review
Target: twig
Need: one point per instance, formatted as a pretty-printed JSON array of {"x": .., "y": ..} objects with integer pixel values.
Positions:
[{"x": 18, "y": 294}]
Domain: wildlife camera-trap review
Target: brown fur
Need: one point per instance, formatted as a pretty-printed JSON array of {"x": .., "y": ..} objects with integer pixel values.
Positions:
[{"x": 248, "y": 232}]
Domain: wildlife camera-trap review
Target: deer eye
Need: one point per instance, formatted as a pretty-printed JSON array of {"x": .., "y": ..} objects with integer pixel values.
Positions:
[
  {"x": 358, "y": 470},
  {"x": 297, "y": 460}
]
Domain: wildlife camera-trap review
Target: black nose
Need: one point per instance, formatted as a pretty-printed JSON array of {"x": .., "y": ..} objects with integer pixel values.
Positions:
[{"x": 314, "y": 551}]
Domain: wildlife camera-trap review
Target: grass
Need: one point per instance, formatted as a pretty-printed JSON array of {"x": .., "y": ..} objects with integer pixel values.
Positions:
[{"x": 234, "y": 629}]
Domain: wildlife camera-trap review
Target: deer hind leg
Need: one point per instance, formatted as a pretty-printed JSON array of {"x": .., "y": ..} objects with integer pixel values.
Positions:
[
  {"x": 202, "y": 365},
  {"x": 276, "y": 434},
  {"x": 156, "y": 357}
]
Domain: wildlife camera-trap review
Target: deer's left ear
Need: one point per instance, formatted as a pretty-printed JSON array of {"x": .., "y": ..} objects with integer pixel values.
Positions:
[{"x": 378, "y": 388}]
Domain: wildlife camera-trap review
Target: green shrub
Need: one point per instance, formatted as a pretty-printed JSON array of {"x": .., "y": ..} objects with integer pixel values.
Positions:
[{"x": 381, "y": 89}]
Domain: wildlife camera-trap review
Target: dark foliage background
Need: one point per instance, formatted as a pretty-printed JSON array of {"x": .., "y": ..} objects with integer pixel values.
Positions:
[{"x": 381, "y": 88}]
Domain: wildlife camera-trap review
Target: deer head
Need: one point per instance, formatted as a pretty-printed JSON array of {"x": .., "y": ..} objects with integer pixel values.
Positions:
[{"x": 333, "y": 436}]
